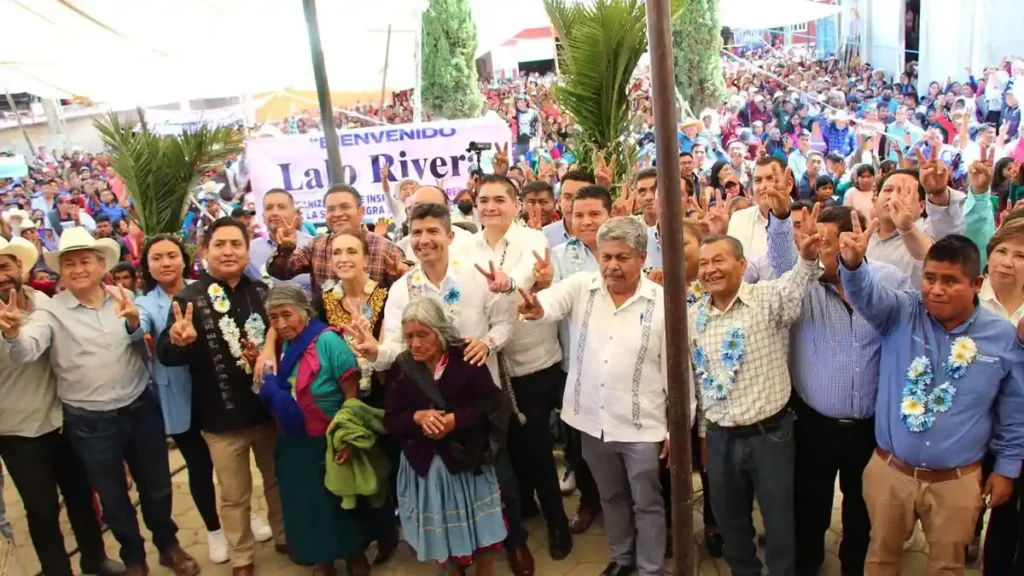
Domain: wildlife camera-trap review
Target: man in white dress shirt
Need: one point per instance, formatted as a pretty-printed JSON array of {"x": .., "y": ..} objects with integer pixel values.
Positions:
[
  {"x": 740, "y": 335},
  {"x": 531, "y": 359},
  {"x": 617, "y": 389},
  {"x": 484, "y": 319}
]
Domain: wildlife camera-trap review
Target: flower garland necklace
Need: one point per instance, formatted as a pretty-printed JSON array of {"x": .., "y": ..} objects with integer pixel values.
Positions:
[
  {"x": 337, "y": 289},
  {"x": 716, "y": 389},
  {"x": 574, "y": 250},
  {"x": 255, "y": 329},
  {"x": 695, "y": 293},
  {"x": 449, "y": 297},
  {"x": 918, "y": 406}
]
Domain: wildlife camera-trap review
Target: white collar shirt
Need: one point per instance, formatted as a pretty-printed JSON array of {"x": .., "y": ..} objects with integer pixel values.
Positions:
[
  {"x": 533, "y": 346},
  {"x": 569, "y": 258},
  {"x": 464, "y": 296},
  {"x": 750, "y": 227},
  {"x": 988, "y": 299},
  {"x": 617, "y": 388}
]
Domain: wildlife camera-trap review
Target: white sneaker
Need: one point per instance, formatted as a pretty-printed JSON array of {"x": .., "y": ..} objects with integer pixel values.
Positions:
[
  {"x": 218, "y": 546},
  {"x": 260, "y": 529},
  {"x": 567, "y": 484}
]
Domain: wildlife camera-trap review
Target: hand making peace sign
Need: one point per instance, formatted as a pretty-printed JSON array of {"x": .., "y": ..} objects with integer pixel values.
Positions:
[
  {"x": 603, "y": 171},
  {"x": 10, "y": 316},
  {"x": 533, "y": 217},
  {"x": 934, "y": 173},
  {"x": 981, "y": 170},
  {"x": 362, "y": 341},
  {"x": 500, "y": 161},
  {"x": 126, "y": 308},
  {"x": 529, "y": 307},
  {"x": 625, "y": 205},
  {"x": 287, "y": 236},
  {"x": 853, "y": 245},
  {"x": 543, "y": 270},
  {"x": 497, "y": 281},
  {"x": 182, "y": 332}
]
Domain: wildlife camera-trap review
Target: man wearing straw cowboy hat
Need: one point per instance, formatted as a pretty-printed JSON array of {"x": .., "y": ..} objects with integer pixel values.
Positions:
[
  {"x": 96, "y": 344},
  {"x": 38, "y": 456}
]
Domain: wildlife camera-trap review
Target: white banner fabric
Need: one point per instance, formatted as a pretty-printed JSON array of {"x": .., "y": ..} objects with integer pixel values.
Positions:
[{"x": 433, "y": 153}]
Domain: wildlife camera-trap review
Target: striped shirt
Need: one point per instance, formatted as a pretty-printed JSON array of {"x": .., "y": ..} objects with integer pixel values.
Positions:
[{"x": 834, "y": 351}]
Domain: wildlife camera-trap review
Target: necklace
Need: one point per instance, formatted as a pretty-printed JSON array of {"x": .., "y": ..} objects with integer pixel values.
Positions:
[
  {"x": 716, "y": 388},
  {"x": 255, "y": 329},
  {"x": 918, "y": 406}
]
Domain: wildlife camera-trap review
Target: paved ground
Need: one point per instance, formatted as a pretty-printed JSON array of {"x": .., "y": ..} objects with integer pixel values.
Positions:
[{"x": 588, "y": 558}]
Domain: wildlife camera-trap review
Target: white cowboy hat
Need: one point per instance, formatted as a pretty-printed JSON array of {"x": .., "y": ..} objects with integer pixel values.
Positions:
[
  {"x": 16, "y": 213},
  {"x": 211, "y": 187},
  {"x": 21, "y": 249},
  {"x": 78, "y": 238}
]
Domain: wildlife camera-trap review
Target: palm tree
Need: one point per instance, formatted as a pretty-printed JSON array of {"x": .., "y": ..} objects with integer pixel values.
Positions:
[
  {"x": 601, "y": 46},
  {"x": 159, "y": 171}
]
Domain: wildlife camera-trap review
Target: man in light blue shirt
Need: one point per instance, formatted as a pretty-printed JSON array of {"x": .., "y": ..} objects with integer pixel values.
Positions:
[
  {"x": 278, "y": 210},
  {"x": 951, "y": 388},
  {"x": 798, "y": 158},
  {"x": 834, "y": 358},
  {"x": 561, "y": 231}
]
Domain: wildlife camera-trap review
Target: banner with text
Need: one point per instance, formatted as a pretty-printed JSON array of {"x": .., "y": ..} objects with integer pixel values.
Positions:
[{"x": 433, "y": 153}]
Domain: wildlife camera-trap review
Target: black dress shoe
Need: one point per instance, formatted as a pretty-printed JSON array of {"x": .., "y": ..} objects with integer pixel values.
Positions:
[
  {"x": 714, "y": 543},
  {"x": 559, "y": 543},
  {"x": 614, "y": 569}
]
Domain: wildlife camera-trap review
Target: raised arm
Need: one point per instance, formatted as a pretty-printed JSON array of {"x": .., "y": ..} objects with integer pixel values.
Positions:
[
  {"x": 175, "y": 346},
  {"x": 289, "y": 260},
  {"x": 979, "y": 216},
  {"x": 878, "y": 304},
  {"x": 26, "y": 341},
  {"x": 557, "y": 301}
]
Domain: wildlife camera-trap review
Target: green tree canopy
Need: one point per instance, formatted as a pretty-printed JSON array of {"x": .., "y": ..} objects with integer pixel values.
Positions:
[
  {"x": 449, "y": 81},
  {"x": 697, "y": 43}
]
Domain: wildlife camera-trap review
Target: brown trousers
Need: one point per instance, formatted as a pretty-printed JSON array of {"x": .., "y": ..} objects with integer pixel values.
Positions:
[
  {"x": 947, "y": 511},
  {"x": 230, "y": 455}
]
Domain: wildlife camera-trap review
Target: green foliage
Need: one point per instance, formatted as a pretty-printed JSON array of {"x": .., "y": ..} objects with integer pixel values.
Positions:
[
  {"x": 697, "y": 44},
  {"x": 160, "y": 171},
  {"x": 601, "y": 45},
  {"x": 450, "y": 87}
]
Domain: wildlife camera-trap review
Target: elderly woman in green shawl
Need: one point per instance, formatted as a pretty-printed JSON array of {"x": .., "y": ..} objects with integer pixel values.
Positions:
[{"x": 316, "y": 373}]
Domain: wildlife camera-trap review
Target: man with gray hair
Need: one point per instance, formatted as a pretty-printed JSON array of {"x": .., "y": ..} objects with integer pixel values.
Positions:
[{"x": 616, "y": 394}]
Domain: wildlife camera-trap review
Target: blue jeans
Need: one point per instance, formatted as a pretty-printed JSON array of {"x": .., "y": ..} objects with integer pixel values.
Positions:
[
  {"x": 105, "y": 441},
  {"x": 740, "y": 467}
]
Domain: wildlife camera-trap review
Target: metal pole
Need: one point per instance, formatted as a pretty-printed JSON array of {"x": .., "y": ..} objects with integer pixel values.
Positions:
[
  {"x": 417, "y": 94},
  {"x": 323, "y": 93},
  {"x": 384, "y": 80},
  {"x": 659, "y": 35},
  {"x": 10, "y": 102}
]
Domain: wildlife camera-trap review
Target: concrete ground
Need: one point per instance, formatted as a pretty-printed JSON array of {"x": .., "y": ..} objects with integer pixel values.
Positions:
[{"x": 589, "y": 556}]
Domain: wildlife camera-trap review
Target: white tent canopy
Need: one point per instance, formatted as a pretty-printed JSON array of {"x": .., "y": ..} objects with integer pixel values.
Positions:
[{"x": 761, "y": 14}]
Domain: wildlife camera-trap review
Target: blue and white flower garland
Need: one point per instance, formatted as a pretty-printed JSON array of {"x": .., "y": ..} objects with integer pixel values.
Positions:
[
  {"x": 255, "y": 329},
  {"x": 919, "y": 407},
  {"x": 712, "y": 388},
  {"x": 450, "y": 296},
  {"x": 574, "y": 251}
]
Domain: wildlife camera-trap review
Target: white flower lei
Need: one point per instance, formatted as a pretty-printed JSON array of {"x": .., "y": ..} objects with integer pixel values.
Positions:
[
  {"x": 255, "y": 329},
  {"x": 449, "y": 298}
]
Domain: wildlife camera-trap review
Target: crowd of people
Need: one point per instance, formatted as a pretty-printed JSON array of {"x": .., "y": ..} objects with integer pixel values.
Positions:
[{"x": 397, "y": 382}]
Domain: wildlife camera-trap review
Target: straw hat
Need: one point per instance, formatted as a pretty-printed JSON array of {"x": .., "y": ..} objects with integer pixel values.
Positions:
[
  {"x": 78, "y": 238},
  {"x": 17, "y": 213},
  {"x": 21, "y": 249}
]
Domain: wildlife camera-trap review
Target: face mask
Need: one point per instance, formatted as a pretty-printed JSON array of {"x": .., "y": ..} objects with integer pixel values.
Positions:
[{"x": 466, "y": 207}]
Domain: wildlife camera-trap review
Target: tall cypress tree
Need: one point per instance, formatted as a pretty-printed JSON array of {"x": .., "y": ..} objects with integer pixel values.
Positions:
[
  {"x": 450, "y": 87},
  {"x": 697, "y": 43}
]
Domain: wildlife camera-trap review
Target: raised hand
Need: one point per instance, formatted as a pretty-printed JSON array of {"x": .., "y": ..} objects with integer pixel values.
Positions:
[
  {"x": 126, "y": 308},
  {"x": 361, "y": 340},
  {"x": 656, "y": 275},
  {"x": 533, "y": 217},
  {"x": 934, "y": 173},
  {"x": 853, "y": 245},
  {"x": 527, "y": 171},
  {"x": 546, "y": 171},
  {"x": 287, "y": 236},
  {"x": 779, "y": 194},
  {"x": 529, "y": 306},
  {"x": 717, "y": 216},
  {"x": 10, "y": 316},
  {"x": 394, "y": 267},
  {"x": 385, "y": 181},
  {"x": 381, "y": 228},
  {"x": 500, "y": 161},
  {"x": 603, "y": 171},
  {"x": 250, "y": 353},
  {"x": 182, "y": 332},
  {"x": 543, "y": 270},
  {"x": 900, "y": 211},
  {"x": 981, "y": 170},
  {"x": 625, "y": 205},
  {"x": 809, "y": 224},
  {"x": 476, "y": 352},
  {"x": 497, "y": 281}
]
